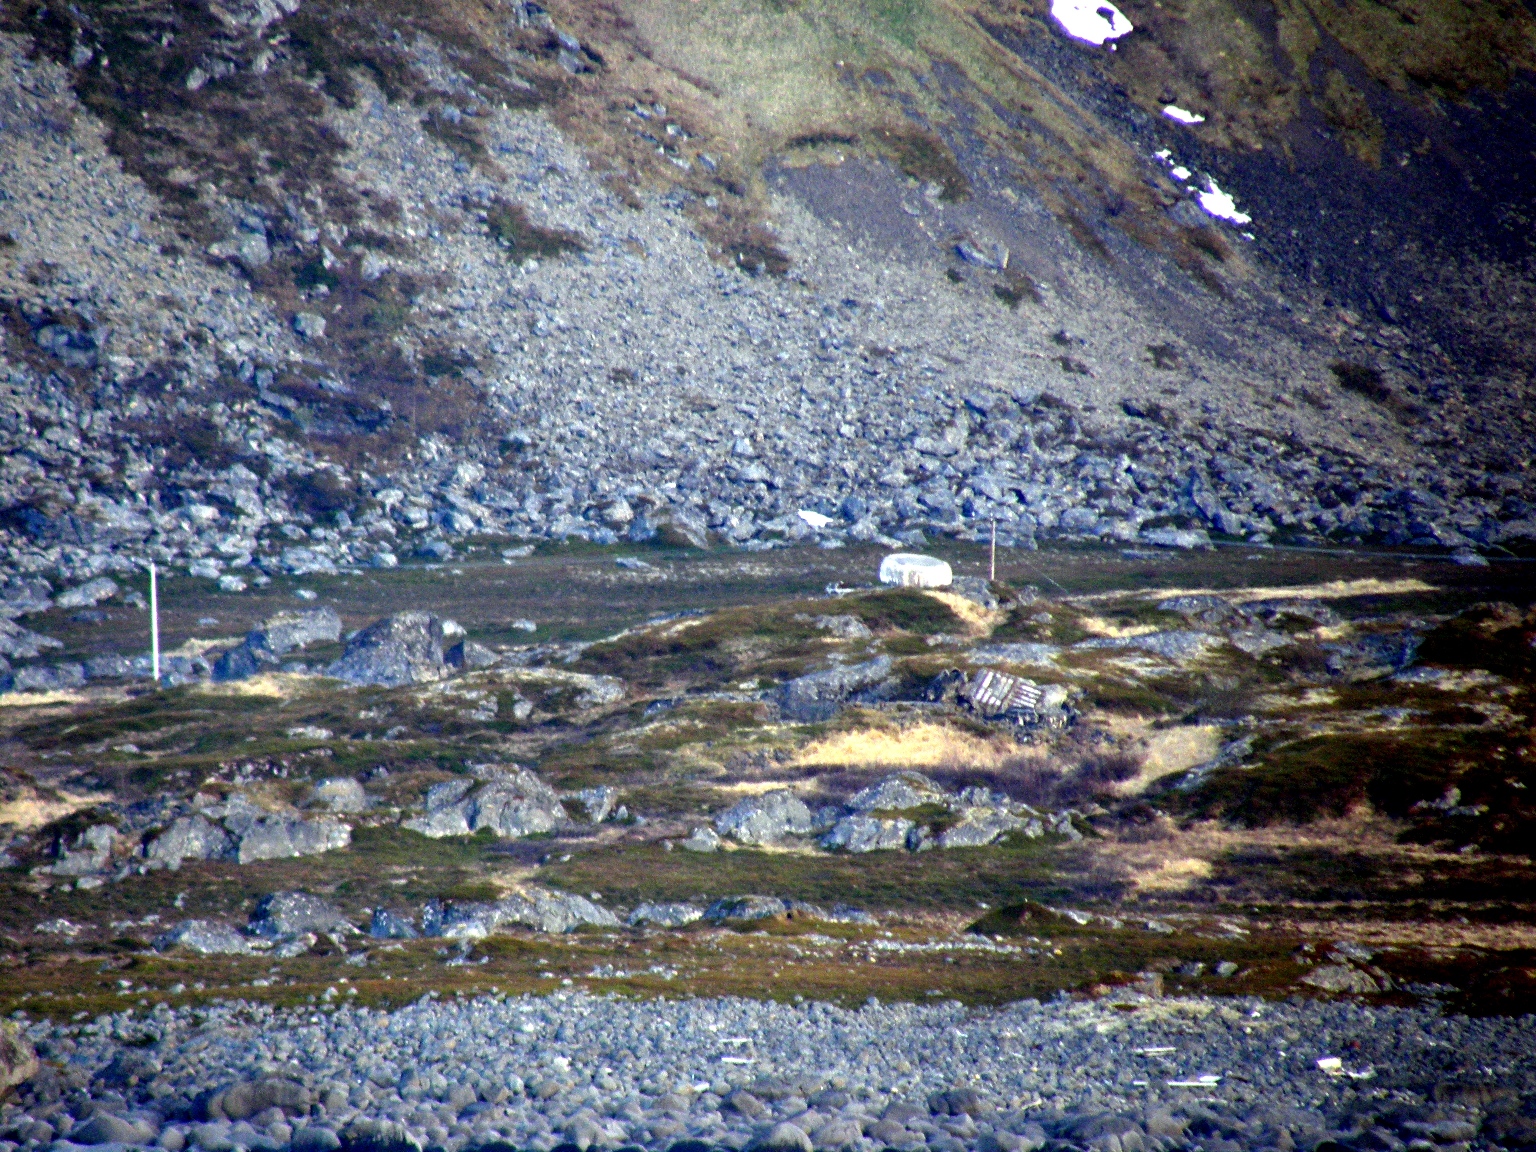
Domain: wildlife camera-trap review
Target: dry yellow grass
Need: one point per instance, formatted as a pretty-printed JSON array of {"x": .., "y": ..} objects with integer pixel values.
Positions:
[
  {"x": 273, "y": 685},
  {"x": 30, "y": 809},
  {"x": 41, "y": 699},
  {"x": 1172, "y": 875},
  {"x": 977, "y": 620},
  {"x": 1331, "y": 590},
  {"x": 918, "y": 747},
  {"x": 1170, "y": 751}
]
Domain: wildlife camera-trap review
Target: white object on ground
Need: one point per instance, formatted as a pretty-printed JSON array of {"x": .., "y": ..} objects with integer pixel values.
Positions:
[
  {"x": 814, "y": 519},
  {"x": 1179, "y": 173},
  {"x": 1221, "y": 205},
  {"x": 1182, "y": 115},
  {"x": 911, "y": 570},
  {"x": 1091, "y": 20}
]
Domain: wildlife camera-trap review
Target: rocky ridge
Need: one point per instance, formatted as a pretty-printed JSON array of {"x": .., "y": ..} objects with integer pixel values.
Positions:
[{"x": 194, "y": 432}]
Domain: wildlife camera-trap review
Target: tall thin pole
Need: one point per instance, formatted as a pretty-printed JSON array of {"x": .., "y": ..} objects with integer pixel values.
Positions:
[
  {"x": 993, "y": 577},
  {"x": 154, "y": 623}
]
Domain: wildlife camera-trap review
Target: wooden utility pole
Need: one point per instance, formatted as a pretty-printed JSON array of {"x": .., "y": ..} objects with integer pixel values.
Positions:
[{"x": 154, "y": 623}]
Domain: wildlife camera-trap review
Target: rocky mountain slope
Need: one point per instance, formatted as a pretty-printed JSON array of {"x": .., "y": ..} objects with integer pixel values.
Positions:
[{"x": 326, "y": 284}]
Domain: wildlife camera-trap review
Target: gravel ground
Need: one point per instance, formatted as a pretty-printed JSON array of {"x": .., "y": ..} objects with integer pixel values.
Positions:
[{"x": 569, "y": 1068}]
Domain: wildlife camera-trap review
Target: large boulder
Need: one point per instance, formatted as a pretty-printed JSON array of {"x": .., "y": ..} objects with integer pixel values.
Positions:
[
  {"x": 18, "y": 643},
  {"x": 278, "y": 837},
  {"x": 89, "y": 594},
  {"x": 57, "y": 678},
  {"x": 511, "y": 804},
  {"x": 389, "y": 925},
  {"x": 190, "y": 838},
  {"x": 244, "y": 1100},
  {"x": 406, "y": 648},
  {"x": 205, "y": 937},
  {"x": 899, "y": 792},
  {"x": 745, "y": 909},
  {"x": 818, "y": 695},
  {"x": 536, "y": 908},
  {"x": 765, "y": 819},
  {"x": 340, "y": 794},
  {"x": 283, "y": 914},
  {"x": 90, "y": 852},
  {"x": 279, "y": 635},
  {"x": 979, "y": 826},
  {"x": 286, "y": 631},
  {"x": 866, "y": 834},
  {"x": 665, "y": 915},
  {"x": 18, "y": 1060}
]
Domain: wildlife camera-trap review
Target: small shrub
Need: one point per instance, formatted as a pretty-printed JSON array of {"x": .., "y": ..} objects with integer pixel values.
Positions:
[{"x": 510, "y": 227}]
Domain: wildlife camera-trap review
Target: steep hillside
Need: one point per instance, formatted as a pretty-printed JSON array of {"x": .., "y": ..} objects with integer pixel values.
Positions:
[{"x": 320, "y": 283}]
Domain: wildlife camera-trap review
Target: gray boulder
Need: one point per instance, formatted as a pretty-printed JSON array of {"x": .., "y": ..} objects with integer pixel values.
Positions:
[
  {"x": 281, "y": 914},
  {"x": 818, "y": 695},
  {"x": 665, "y": 915},
  {"x": 90, "y": 852},
  {"x": 1178, "y": 645},
  {"x": 205, "y": 937},
  {"x": 512, "y": 804},
  {"x": 596, "y": 803},
  {"x": 866, "y": 834},
  {"x": 979, "y": 826},
  {"x": 340, "y": 794},
  {"x": 110, "y": 666},
  {"x": 1176, "y": 537},
  {"x": 1020, "y": 653},
  {"x": 89, "y": 594},
  {"x": 58, "y": 678},
  {"x": 765, "y": 819},
  {"x": 241, "y": 663},
  {"x": 22, "y": 595},
  {"x": 536, "y": 908},
  {"x": 899, "y": 792},
  {"x": 467, "y": 654},
  {"x": 701, "y": 840},
  {"x": 190, "y": 838},
  {"x": 387, "y": 925},
  {"x": 406, "y": 648},
  {"x": 18, "y": 643},
  {"x": 279, "y": 635},
  {"x": 105, "y": 1128},
  {"x": 365, "y": 1135},
  {"x": 286, "y": 631},
  {"x": 278, "y": 837},
  {"x": 1341, "y": 978}
]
